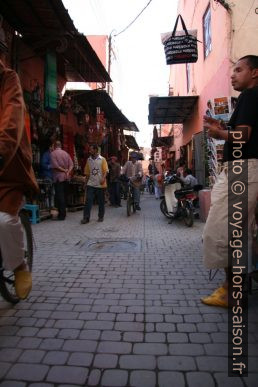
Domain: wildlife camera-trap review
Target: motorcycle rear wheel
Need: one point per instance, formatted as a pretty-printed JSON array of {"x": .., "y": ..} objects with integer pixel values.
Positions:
[{"x": 188, "y": 216}]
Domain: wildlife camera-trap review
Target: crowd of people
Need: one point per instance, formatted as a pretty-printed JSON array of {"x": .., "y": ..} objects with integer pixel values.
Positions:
[{"x": 105, "y": 180}]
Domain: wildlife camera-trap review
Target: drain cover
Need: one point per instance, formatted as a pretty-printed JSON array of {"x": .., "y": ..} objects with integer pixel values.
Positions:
[{"x": 112, "y": 246}]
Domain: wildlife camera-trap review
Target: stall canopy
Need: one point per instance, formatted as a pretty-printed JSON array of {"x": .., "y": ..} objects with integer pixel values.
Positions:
[
  {"x": 171, "y": 110},
  {"x": 45, "y": 25},
  {"x": 166, "y": 141},
  {"x": 131, "y": 142},
  {"x": 100, "y": 98}
]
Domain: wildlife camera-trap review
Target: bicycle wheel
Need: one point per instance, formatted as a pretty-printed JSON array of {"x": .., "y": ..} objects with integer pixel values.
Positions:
[
  {"x": 7, "y": 288},
  {"x": 188, "y": 216},
  {"x": 128, "y": 205}
]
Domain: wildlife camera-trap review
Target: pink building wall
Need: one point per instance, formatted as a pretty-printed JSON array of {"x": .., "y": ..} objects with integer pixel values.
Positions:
[
  {"x": 100, "y": 44},
  {"x": 210, "y": 76}
]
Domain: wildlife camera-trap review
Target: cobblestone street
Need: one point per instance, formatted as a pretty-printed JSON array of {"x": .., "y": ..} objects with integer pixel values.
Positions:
[{"x": 104, "y": 313}]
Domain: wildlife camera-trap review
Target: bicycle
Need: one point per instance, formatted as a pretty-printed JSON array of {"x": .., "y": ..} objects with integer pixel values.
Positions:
[
  {"x": 7, "y": 288},
  {"x": 130, "y": 204}
]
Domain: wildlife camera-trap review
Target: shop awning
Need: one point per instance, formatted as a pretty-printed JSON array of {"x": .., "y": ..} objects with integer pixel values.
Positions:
[
  {"x": 131, "y": 142},
  {"x": 170, "y": 110},
  {"x": 46, "y": 25},
  {"x": 100, "y": 98},
  {"x": 166, "y": 141}
]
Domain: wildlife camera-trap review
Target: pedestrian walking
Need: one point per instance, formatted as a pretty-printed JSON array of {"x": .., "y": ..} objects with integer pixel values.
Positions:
[
  {"x": 158, "y": 182},
  {"x": 17, "y": 178},
  {"x": 47, "y": 174},
  {"x": 96, "y": 170},
  {"x": 243, "y": 124},
  {"x": 62, "y": 166},
  {"x": 114, "y": 182}
]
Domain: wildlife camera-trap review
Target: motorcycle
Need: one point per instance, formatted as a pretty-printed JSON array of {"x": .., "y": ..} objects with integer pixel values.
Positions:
[{"x": 178, "y": 201}]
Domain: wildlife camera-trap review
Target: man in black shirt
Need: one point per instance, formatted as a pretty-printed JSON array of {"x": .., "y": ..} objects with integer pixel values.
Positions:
[{"x": 241, "y": 148}]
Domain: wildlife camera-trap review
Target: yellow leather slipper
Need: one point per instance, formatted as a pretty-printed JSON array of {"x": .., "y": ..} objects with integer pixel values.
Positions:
[
  {"x": 218, "y": 298},
  {"x": 23, "y": 283}
]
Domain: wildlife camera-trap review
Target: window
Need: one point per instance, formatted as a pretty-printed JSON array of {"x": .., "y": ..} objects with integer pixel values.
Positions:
[
  {"x": 207, "y": 32},
  {"x": 188, "y": 77}
]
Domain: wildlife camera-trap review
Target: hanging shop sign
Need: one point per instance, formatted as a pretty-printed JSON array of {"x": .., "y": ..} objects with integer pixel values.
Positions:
[
  {"x": 50, "y": 98},
  {"x": 181, "y": 46}
]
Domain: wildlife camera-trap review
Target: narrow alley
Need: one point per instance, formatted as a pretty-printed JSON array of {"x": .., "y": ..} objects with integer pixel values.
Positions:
[{"x": 118, "y": 304}]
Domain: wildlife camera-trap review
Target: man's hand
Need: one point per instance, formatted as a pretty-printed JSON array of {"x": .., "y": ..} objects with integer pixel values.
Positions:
[{"x": 215, "y": 128}]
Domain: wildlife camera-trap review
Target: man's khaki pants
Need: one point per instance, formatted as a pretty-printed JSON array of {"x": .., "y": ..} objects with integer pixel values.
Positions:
[
  {"x": 11, "y": 241},
  {"x": 215, "y": 234}
]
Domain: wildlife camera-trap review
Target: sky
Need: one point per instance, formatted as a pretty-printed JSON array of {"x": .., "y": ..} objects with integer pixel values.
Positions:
[{"x": 141, "y": 66}]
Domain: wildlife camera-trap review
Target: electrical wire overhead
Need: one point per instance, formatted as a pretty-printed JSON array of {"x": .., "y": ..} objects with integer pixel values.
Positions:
[{"x": 129, "y": 25}]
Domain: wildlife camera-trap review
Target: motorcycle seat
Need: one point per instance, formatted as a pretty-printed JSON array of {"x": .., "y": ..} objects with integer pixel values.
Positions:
[{"x": 182, "y": 192}]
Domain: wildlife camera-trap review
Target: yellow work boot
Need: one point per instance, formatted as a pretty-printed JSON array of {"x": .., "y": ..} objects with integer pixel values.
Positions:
[
  {"x": 218, "y": 298},
  {"x": 23, "y": 283}
]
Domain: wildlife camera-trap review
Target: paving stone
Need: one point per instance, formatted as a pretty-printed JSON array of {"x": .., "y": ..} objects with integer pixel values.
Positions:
[
  {"x": 223, "y": 380},
  {"x": 212, "y": 363},
  {"x": 165, "y": 327},
  {"x": 72, "y": 324},
  {"x": 143, "y": 379},
  {"x": 186, "y": 349},
  {"x": 89, "y": 334},
  {"x": 12, "y": 383},
  {"x": 207, "y": 327},
  {"x": 10, "y": 354},
  {"x": 94, "y": 378},
  {"x": 45, "y": 385},
  {"x": 216, "y": 349},
  {"x": 8, "y": 330},
  {"x": 51, "y": 344},
  {"x": 4, "y": 367},
  {"x": 56, "y": 358},
  {"x": 174, "y": 318},
  {"x": 150, "y": 349},
  {"x": 165, "y": 379},
  {"x": 176, "y": 363},
  {"x": 186, "y": 327},
  {"x": 212, "y": 317},
  {"x": 125, "y": 317},
  {"x": 102, "y": 325},
  {"x": 133, "y": 337},
  {"x": 111, "y": 336},
  {"x": 80, "y": 345},
  {"x": 80, "y": 359},
  {"x": 114, "y": 378},
  {"x": 177, "y": 337},
  {"x": 47, "y": 333},
  {"x": 26, "y": 372},
  {"x": 194, "y": 318},
  {"x": 29, "y": 343},
  {"x": 197, "y": 379},
  {"x": 199, "y": 338},
  {"x": 137, "y": 362},
  {"x": 114, "y": 347},
  {"x": 68, "y": 374},
  {"x": 129, "y": 326},
  {"x": 32, "y": 356},
  {"x": 155, "y": 337},
  {"x": 68, "y": 333},
  {"x": 105, "y": 361}
]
